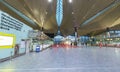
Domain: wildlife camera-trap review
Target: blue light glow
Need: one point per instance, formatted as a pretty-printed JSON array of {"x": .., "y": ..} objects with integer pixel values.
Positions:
[{"x": 59, "y": 12}]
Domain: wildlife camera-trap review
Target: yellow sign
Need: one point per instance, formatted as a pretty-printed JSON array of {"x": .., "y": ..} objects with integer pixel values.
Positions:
[{"x": 7, "y": 40}]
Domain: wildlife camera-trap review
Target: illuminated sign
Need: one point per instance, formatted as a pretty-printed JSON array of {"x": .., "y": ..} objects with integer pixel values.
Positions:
[{"x": 7, "y": 40}]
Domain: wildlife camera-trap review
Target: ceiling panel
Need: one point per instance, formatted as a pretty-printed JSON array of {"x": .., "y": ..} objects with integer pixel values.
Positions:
[{"x": 74, "y": 14}]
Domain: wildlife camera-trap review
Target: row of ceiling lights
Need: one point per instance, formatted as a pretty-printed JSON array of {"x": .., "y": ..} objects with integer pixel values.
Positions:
[{"x": 70, "y": 1}]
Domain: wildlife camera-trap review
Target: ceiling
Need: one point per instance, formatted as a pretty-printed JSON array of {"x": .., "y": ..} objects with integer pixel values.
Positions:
[{"x": 89, "y": 16}]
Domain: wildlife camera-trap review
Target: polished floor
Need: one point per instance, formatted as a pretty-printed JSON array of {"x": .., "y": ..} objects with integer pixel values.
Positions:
[{"x": 90, "y": 59}]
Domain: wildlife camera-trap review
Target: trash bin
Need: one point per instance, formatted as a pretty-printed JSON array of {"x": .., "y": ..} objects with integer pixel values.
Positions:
[{"x": 38, "y": 48}]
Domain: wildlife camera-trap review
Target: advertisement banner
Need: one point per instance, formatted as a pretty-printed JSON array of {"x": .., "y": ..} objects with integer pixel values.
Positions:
[{"x": 7, "y": 40}]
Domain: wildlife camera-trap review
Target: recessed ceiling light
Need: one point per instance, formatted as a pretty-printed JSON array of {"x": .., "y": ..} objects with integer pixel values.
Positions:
[
  {"x": 46, "y": 12},
  {"x": 72, "y": 12},
  {"x": 70, "y": 1},
  {"x": 49, "y": 0}
]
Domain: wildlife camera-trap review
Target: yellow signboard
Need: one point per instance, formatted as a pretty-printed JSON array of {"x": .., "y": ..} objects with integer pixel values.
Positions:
[{"x": 7, "y": 40}]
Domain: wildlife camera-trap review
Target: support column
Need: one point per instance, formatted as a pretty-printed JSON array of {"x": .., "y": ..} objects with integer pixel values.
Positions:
[{"x": 75, "y": 28}]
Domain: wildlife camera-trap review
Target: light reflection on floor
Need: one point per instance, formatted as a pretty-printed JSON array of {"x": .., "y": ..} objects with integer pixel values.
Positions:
[{"x": 90, "y": 59}]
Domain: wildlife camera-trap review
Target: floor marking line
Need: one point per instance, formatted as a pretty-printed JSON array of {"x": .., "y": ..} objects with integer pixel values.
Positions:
[{"x": 76, "y": 68}]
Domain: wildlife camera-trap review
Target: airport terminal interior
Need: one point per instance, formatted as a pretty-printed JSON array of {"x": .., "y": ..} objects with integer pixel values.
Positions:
[{"x": 60, "y": 35}]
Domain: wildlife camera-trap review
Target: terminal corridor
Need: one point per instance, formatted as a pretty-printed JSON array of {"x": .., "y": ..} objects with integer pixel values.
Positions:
[
  {"x": 90, "y": 59},
  {"x": 59, "y": 35}
]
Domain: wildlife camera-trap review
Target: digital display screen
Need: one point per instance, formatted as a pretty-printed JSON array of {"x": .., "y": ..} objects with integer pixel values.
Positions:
[{"x": 6, "y": 41}]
